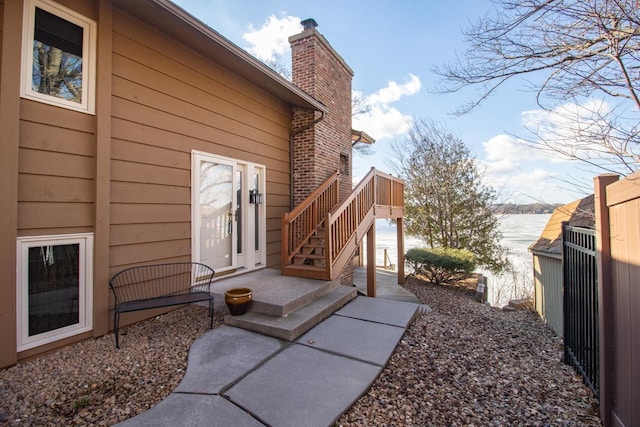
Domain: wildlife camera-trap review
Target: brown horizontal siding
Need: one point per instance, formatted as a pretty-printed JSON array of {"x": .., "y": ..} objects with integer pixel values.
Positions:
[
  {"x": 39, "y": 162},
  {"x": 56, "y": 117},
  {"x": 150, "y": 173},
  {"x": 279, "y": 177},
  {"x": 42, "y": 217},
  {"x": 126, "y": 234},
  {"x": 273, "y": 236},
  {"x": 166, "y": 102},
  {"x": 152, "y": 47},
  {"x": 83, "y": 7},
  {"x": 144, "y": 152},
  {"x": 56, "y": 170},
  {"x": 128, "y": 213},
  {"x": 137, "y": 193},
  {"x": 175, "y": 92},
  {"x": 43, "y": 189},
  {"x": 42, "y": 136},
  {"x": 273, "y": 254},
  {"x": 275, "y": 212},
  {"x": 162, "y": 251},
  {"x": 278, "y": 201},
  {"x": 200, "y": 136},
  {"x": 279, "y": 189},
  {"x": 274, "y": 223}
]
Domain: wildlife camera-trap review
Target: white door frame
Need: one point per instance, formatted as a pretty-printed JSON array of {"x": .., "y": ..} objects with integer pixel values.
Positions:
[{"x": 250, "y": 258}]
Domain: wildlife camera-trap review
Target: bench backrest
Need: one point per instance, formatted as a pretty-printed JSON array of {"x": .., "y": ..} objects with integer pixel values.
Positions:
[{"x": 150, "y": 281}]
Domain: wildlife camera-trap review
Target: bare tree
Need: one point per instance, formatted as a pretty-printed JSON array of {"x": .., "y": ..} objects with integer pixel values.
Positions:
[
  {"x": 574, "y": 52},
  {"x": 360, "y": 106},
  {"x": 278, "y": 64},
  {"x": 57, "y": 73}
]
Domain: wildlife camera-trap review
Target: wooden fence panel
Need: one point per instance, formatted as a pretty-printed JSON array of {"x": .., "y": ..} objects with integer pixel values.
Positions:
[{"x": 618, "y": 224}]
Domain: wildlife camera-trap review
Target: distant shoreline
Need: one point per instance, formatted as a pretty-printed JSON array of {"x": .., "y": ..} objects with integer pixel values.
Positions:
[{"x": 533, "y": 208}]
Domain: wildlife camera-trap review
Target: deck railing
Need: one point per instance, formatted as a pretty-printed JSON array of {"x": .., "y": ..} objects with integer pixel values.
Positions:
[
  {"x": 378, "y": 195},
  {"x": 302, "y": 222}
]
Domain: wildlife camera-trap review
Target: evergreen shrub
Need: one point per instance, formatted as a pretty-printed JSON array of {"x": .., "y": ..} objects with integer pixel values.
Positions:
[{"x": 441, "y": 265}]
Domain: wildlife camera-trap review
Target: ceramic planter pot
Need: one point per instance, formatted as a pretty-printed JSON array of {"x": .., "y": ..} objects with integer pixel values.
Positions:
[{"x": 238, "y": 300}]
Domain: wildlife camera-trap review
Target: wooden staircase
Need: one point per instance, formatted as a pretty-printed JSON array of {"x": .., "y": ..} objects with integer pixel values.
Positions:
[{"x": 320, "y": 236}]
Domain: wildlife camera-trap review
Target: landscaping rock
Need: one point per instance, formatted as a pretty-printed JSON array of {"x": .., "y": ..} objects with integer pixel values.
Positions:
[
  {"x": 463, "y": 363},
  {"x": 470, "y": 364}
]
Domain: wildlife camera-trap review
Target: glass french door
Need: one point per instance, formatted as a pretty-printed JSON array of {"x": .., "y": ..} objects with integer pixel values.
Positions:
[
  {"x": 229, "y": 215},
  {"x": 216, "y": 206}
]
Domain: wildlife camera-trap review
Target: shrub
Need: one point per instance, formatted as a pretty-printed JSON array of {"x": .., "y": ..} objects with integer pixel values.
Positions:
[{"x": 441, "y": 265}]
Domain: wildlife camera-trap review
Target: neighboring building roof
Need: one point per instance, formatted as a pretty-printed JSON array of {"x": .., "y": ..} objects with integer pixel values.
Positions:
[
  {"x": 360, "y": 136},
  {"x": 179, "y": 24},
  {"x": 579, "y": 213}
]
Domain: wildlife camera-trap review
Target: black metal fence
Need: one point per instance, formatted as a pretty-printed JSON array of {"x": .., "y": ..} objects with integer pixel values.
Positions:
[{"x": 580, "y": 303}]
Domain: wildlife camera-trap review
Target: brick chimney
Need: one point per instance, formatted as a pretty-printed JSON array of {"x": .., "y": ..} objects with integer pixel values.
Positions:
[{"x": 325, "y": 147}]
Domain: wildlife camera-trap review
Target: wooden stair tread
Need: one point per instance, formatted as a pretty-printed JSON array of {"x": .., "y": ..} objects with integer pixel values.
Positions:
[{"x": 309, "y": 256}]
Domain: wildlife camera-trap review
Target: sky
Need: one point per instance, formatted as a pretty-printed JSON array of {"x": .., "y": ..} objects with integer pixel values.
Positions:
[{"x": 393, "y": 47}]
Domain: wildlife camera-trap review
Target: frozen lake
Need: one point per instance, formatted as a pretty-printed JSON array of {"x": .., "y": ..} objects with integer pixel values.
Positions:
[{"x": 518, "y": 231}]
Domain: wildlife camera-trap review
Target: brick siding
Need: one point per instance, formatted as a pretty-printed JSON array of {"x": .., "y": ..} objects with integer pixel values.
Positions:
[{"x": 322, "y": 73}]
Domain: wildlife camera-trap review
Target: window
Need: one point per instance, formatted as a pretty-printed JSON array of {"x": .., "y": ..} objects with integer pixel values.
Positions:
[
  {"x": 344, "y": 164},
  {"x": 54, "y": 296},
  {"x": 58, "y": 65}
]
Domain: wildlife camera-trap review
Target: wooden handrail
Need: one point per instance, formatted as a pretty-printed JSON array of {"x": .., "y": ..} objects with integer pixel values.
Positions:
[
  {"x": 347, "y": 223},
  {"x": 300, "y": 224},
  {"x": 378, "y": 195}
]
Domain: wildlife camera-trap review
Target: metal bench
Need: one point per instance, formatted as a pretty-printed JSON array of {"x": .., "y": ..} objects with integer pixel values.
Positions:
[{"x": 160, "y": 285}]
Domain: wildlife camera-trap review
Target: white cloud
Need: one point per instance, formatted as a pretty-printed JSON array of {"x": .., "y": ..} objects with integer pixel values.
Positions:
[
  {"x": 528, "y": 186},
  {"x": 503, "y": 148},
  {"x": 394, "y": 91},
  {"x": 270, "y": 43},
  {"x": 569, "y": 131},
  {"x": 271, "y": 40},
  {"x": 385, "y": 121},
  {"x": 519, "y": 172}
]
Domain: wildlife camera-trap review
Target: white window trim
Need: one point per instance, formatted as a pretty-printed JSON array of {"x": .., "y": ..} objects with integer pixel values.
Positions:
[
  {"x": 260, "y": 254},
  {"x": 85, "y": 297},
  {"x": 88, "y": 56}
]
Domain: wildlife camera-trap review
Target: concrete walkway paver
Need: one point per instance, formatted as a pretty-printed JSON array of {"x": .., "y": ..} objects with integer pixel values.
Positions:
[
  {"x": 242, "y": 378},
  {"x": 379, "y": 310},
  {"x": 354, "y": 338},
  {"x": 222, "y": 356},
  {"x": 303, "y": 387},
  {"x": 194, "y": 410}
]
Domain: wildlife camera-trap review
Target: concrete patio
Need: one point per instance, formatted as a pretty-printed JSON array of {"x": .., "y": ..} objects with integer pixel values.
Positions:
[{"x": 243, "y": 378}]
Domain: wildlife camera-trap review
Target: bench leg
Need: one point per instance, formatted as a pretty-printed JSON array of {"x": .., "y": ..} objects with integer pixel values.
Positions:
[
  {"x": 116, "y": 320},
  {"x": 211, "y": 313}
]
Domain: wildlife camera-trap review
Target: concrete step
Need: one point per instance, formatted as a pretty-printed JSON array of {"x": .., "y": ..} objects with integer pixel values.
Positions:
[
  {"x": 274, "y": 294},
  {"x": 297, "y": 322},
  {"x": 281, "y": 301}
]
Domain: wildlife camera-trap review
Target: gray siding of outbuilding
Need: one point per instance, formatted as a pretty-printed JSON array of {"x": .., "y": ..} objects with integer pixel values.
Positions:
[{"x": 548, "y": 290}]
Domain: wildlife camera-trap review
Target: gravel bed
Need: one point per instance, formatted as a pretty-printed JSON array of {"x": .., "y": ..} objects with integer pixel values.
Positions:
[
  {"x": 467, "y": 364},
  {"x": 93, "y": 383},
  {"x": 462, "y": 364}
]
